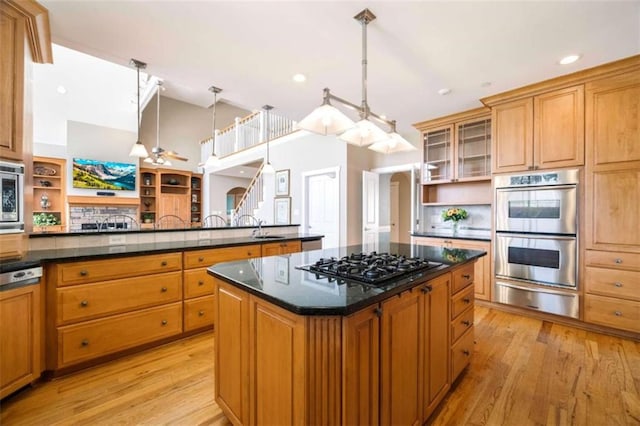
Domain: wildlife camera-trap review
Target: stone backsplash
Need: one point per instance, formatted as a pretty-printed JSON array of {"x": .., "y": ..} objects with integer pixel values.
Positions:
[{"x": 90, "y": 218}]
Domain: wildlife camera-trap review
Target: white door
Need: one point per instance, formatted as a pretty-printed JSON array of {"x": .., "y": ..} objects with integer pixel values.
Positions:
[
  {"x": 322, "y": 205},
  {"x": 370, "y": 209},
  {"x": 394, "y": 207}
]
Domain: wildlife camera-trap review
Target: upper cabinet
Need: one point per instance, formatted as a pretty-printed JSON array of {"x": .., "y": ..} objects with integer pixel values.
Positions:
[
  {"x": 457, "y": 147},
  {"x": 539, "y": 132},
  {"x": 171, "y": 192}
]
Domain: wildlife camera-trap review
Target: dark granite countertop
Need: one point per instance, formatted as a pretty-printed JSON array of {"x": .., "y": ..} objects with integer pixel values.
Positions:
[
  {"x": 36, "y": 257},
  {"x": 277, "y": 280}
]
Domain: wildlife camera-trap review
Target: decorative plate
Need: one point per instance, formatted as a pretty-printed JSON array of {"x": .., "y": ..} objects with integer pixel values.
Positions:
[
  {"x": 44, "y": 171},
  {"x": 173, "y": 182}
]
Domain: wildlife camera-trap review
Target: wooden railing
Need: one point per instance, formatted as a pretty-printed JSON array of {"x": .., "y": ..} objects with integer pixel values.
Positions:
[{"x": 252, "y": 196}]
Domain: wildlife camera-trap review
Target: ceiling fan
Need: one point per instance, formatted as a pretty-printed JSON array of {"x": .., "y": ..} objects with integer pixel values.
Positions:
[{"x": 160, "y": 156}]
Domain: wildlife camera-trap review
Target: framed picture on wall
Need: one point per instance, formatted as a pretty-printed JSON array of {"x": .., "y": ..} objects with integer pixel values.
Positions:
[
  {"x": 282, "y": 270},
  {"x": 282, "y": 183},
  {"x": 282, "y": 211}
]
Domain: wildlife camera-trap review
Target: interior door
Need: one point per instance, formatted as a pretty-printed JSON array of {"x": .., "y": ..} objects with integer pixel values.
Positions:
[
  {"x": 394, "y": 208},
  {"x": 370, "y": 209},
  {"x": 322, "y": 205}
]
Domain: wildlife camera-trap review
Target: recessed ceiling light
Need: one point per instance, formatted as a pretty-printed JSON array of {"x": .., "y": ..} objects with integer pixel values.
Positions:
[
  {"x": 569, "y": 59},
  {"x": 444, "y": 91},
  {"x": 61, "y": 89},
  {"x": 241, "y": 172},
  {"x": 299, "y": 78}
]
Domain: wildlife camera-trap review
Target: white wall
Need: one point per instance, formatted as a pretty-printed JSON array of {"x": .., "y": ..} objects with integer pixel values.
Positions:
[{"x": 219, "y": 186}]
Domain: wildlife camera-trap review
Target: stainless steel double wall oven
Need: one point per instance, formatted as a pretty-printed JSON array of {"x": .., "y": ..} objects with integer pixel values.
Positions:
[{"x": 536, "y": 250}]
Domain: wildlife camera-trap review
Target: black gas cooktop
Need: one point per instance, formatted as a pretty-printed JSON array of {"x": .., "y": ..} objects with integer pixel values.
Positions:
[{"x": 370, "y": 268}]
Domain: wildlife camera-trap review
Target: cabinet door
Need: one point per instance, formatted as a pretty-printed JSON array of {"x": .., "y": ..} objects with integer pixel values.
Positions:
[
  {"x": 559, "y": 128},
  {"x": 438, "y": 155},
  {"x": 278, "y": 368},
  {"x": 473, "y": 150},
  {"x": 232, "y": 341},
  {"x": 19, "y": 338},
  {"x": 176, "y": 204},
  {"x": 401, "y": 369},
  {"x": 12, "y": 34},
  {"x": 512, "y": 131},
  {"x": 361, "y": 369},
  {"x": 436, "y": 344}
]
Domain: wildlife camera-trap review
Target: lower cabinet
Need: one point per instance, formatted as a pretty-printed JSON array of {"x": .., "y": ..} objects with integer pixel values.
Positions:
[
  {"x": 462, "y": 293},
  {"x": 19, "y": 338},
  {"x": 390, "y": 363},
  {"x": 283, "y": 247}
]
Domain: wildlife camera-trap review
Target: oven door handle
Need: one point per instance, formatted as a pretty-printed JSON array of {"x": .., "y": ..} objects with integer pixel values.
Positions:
[
  {"x": 536, "y": 236},
  {"x": 533, "y": 188},
  {"x": 535, "y": 290}
]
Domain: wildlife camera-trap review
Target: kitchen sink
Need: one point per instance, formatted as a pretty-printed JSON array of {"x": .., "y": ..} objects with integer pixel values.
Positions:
[{"x": 267, "y": 237}]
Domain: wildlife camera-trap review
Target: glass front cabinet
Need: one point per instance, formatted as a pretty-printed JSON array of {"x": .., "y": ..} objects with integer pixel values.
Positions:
[{"x": 457, "y": 147}]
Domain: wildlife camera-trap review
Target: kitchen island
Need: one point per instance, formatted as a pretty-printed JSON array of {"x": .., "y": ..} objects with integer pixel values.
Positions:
[{"x": 294, "y": 346}]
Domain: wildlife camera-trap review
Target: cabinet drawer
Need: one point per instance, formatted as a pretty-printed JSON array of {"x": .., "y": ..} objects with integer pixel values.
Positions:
[
  {"x": 612, "y": 259},
  {"x": 612, "y": 312},
  {"x": 198, "y": 313},
  {"x": 611, "y": 282},
  {"x": 197, "y": 283},
  {"x": 88, "y": 301},
  {"x": 206, "y": 258},
  {"x": 82, "y": 342},
  {"x": 461, "y": 301},
  {"x": 284, "y": 247},
  {"x": 461, "y": 353},
  {"x": 462, "y": 278},
  {"x": 101, "y": 270},
  {"x": 461, "y": 324}
]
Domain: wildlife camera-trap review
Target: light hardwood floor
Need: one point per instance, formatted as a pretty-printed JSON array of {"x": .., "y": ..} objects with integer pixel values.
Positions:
[{"x": 524, "y": 372}]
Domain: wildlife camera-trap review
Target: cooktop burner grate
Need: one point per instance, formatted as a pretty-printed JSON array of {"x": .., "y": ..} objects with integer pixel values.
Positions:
[{"x": 370, "y": 268}]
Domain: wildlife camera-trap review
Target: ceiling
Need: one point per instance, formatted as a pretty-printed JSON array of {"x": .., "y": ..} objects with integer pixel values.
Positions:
[{"x": 252, "y": 49}]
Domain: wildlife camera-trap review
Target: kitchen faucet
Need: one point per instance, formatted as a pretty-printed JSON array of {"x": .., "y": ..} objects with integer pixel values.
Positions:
[{"x": 258, "y": 232}]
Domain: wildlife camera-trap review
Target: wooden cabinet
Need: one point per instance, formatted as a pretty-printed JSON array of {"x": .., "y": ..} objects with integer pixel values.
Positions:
[
  {"x": 20, "y": 357},
  {"x": 461, "y": 317},
  {"x": 148, "y": 196},
  {"x": 457, "y": 147},
  {"x": 540, "y": 132},
  {"x": 482, "y": 268},
  {"x": 196, "y": 200},
  {"x": 49, "y": 195},
  {"x": 171, "y": 192},
  {"x": 100, "y": 307},
  {"x": 283, "y": 247}
]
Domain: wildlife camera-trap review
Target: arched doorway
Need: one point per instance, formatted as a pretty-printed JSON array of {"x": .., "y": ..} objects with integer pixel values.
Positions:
[{"x": 234, "y": 195}]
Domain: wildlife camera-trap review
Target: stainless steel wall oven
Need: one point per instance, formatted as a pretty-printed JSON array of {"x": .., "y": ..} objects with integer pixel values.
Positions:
[{"x": 536, "y": 246}]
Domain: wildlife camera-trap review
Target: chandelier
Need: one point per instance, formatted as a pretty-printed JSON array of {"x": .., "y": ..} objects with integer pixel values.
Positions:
[{"x": 327, "y": 119}]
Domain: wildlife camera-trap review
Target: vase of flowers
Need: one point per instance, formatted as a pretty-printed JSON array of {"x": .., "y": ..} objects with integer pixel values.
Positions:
[{"x": 454, "y": 214}]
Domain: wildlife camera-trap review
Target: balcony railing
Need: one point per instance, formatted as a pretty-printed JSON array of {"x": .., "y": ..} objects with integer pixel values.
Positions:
[{"x": 247, "y": 132}]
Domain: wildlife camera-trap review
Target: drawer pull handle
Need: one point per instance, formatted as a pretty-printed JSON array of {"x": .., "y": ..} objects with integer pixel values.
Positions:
[
  {"x": 201, "y": 259},
  {"x": 467, "y": 323},
  {"x": 163, "y": 289},
  {"x": 447, "y": 242},
  {"x": 84, "y": 303},
  {"x": 466, "y": 300},
  {"x": 466, "y": 352},
  {"x": 164, "y": 322},
  {"x": 200, "y": 313},
  {"x": 85, "y": 342},
  {"x": 466, "y": 276},
  {"x": 618, "y": 313},
  {"x": 618, "y": 284},
  {"x": 84, "y": 273},
  {"x": 200, "y": 282},
  {"x": 618, "y": 260},
  {"x": 163, "y": 263}
]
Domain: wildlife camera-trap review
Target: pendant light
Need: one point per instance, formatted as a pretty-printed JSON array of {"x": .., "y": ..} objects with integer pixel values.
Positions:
[
  {"x": 157, "y": 157},
  {"x": 395, "y": 143},
  {"x": 213, "y": 159},
  {"x": 138, "y": 149},
  {"x": 268, "y": 168}
]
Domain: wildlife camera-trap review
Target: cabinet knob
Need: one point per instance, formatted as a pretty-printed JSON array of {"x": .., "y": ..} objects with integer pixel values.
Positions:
[
  {"x": 200, "y": 313},
  {"x": 618, "y": 284},
  {"x": 378, "y": 311},
  {"x": 201, "y": 259},
  {"x": 163, "y": 263},
  {"x": 466, "y": 300},
  {"x": 163, "y": 289},
  {"x": 84, "y": 303},
  {"x": 85, "y": 342},
  {"x": 448, "y": 242},
  {"x": 249, "y": 253},
  {"x": 466, "y": 352},
  {"x": 426, "y": 289},
  {"x": 83, "y": 273},
  {"x": 618, "y": 313},
  {"x": 200, "y": 282},
  {"x": 466, "y": 276},
  {"x": 164, "y": 322},
  {"x": 467, "y": 323},
  {"x": 618, "y": 260}
]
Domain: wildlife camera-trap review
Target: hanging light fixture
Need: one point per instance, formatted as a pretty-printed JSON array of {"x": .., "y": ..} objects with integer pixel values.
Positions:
[
  {"x": 268, "y": 168},
  {"x": 213, "y": 159},
  {"x": 138, "y": 149},
  {"x": 395, "y": 143},
  {"x": 327, "y": 119}
]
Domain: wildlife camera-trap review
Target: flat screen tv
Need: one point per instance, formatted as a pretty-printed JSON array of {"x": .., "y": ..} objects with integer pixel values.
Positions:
[{"x": 98, "y": 174}]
